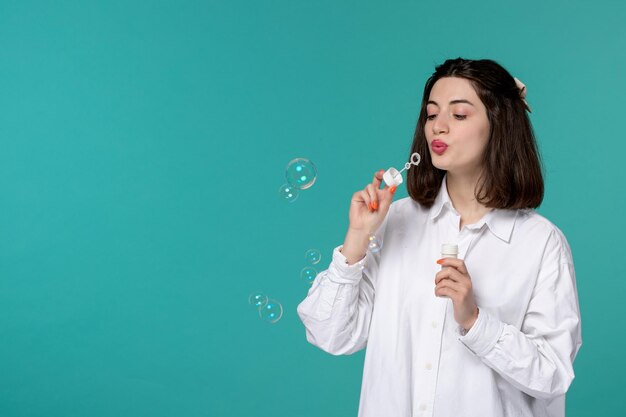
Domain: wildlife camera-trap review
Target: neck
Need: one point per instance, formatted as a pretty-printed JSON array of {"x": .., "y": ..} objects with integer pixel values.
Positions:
[{"x": 461, "y": 189}]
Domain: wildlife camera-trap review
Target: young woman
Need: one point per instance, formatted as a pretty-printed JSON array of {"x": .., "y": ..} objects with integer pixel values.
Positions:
[{"x": 492, "y": 333}]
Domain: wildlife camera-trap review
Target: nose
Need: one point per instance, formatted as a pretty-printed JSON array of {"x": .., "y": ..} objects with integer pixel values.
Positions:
[{"x": 440, "y": 125}]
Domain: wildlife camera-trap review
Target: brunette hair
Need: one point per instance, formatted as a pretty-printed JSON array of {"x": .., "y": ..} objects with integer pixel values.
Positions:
[{"x": 512, "y": 175}]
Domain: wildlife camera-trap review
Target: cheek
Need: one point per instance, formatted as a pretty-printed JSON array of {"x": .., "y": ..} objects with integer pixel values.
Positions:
[
  {"x": 486, "y": 131},
  {"x": 478, "y": 143},
  {"x": 428, "y": 132},
  {"x": 481, "y": 136}
]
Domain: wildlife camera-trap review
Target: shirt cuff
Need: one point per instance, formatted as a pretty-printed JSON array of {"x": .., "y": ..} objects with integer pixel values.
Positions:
[
  {"x": 341, "y": 272},
  {"x": 483, "y": 335}
]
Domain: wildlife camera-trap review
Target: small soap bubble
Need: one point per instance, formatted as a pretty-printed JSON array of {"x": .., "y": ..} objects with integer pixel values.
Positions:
[
  {"x": 301, "y": 173},
  {"x": 313, "y": 256},
  {"x": 374, "y": 244},
  {"x": 288, "y": 193},
  {"x": 308, "y": 274},
  {"x": 257, "y": 299},
  {"x": 271, "y": 312}
]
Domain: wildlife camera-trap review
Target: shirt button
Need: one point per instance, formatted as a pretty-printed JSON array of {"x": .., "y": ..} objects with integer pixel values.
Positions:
[
  {"x": 423, "y": 407},
  {"x": 434, "y": 324},
  {"x": 429, "y": 366}
]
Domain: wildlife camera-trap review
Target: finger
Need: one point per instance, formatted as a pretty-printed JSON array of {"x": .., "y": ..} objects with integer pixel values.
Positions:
[
  {"x": 371, "y": 191},
  {"x": 441, "y": 275},
  {"x": 392, "y": 191},
  {"x": 384, "y": 199},
  {"x": 463, "y": 289},
  {"x": 446, "y": 282},
  {"x": 385, "y": 196},
  {"x": 358, "y": 197},
  {"x": 378, "y": 178},
  {"x": 458, "y": 288},
  {"x": 452, "y": 274},
  {"x": 458, "y": 264},
  {"x": 449, "y": 272},
  {"x": 364, "y": 196},
  {"x": 446, "y": 292},
  {"x": 456, "y": 276}
]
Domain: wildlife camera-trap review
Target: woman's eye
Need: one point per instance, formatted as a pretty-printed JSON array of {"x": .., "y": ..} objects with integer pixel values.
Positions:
[
  {"x": 460, "y": 116},
  {"x": 431, "y": 117}
]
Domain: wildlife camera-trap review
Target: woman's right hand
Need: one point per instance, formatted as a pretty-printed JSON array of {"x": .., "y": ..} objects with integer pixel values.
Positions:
[
  {"x": 368, "y": 209},
  {"x": 370, "y": 205}
]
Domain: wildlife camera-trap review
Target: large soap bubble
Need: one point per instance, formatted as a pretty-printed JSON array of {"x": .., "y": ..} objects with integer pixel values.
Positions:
[{"x": 301, "y": 173}]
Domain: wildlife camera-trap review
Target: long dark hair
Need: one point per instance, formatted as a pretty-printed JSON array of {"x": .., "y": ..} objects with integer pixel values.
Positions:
[{"x": 512, "y": 175}]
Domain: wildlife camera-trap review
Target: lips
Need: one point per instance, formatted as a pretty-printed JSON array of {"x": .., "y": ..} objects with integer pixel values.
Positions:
[{"x": 438, "y": 146}]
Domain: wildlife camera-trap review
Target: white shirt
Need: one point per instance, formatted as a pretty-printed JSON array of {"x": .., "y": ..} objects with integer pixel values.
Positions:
[{"x": 517, "y": 358}]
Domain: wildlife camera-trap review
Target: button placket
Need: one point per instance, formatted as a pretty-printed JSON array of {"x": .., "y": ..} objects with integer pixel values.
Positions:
[{"x": 431, "y": 367}]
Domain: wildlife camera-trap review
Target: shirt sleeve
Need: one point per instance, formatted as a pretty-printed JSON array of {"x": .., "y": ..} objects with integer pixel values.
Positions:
[
  {"x": 337, "y": 310},
  {"x": 538, "y": 358}
]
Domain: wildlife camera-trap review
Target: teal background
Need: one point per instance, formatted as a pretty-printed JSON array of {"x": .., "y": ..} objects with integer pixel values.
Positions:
[{"x": 142, "y": 147}]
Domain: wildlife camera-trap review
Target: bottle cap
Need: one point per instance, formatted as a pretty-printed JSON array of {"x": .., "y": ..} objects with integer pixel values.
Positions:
[
  {"x": 449, "y": 249},
  {"x": 392, "y": 177}
]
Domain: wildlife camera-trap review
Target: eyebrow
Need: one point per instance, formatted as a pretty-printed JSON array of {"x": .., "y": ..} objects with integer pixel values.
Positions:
[{"x": 452, "y": 102}]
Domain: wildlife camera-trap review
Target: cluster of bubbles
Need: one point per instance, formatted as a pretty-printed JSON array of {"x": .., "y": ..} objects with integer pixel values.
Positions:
[
  {"x": 374, "y": 245},
  {"x": 269, "y": 310},
  {"x": 300, "y": 174},
  {"x": 308, "y": 273}
]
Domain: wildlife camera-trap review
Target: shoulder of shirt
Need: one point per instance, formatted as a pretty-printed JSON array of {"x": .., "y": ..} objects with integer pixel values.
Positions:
[
  {"x": 531, "y": 219},
  {"x": 534, "y": 223}
]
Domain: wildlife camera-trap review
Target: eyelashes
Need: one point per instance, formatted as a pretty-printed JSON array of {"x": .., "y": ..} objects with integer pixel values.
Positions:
[{"x": 457, "y": 116}]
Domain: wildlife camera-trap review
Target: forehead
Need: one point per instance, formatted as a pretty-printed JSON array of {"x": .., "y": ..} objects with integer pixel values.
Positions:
[{"x": 453, "y": 88}]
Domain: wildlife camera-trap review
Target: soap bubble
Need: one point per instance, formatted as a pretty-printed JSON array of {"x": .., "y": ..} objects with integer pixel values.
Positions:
[
  {"x": 301, "y": 173},
  {"x": 288, "y": 192},
  {"x": 271, "y": 312},
  {"x": 374, "y": 244},
  {"x": 313, "y": 256},
  {"x": 257, "y": 299},
  {"x": 308, "y": 274}
]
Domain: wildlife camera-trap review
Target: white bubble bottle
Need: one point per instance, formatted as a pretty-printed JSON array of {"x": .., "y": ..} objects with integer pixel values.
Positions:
[{"x": 449, "y": 250}]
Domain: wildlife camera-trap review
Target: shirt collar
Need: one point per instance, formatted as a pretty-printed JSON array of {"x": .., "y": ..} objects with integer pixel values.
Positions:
[
  {"x": 499, "y": 221},
  {"x": 442, "y": 200}
]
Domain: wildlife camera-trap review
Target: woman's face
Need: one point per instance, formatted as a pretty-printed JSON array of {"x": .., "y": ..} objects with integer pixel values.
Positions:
[{"x": 457, "y": 127}]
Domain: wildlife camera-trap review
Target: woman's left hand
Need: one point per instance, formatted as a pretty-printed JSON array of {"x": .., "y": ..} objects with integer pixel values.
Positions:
[{"x": 454, "y": 281}]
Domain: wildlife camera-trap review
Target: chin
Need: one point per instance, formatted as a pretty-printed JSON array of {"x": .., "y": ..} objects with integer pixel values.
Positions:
[{"x": 438, "y": 163}]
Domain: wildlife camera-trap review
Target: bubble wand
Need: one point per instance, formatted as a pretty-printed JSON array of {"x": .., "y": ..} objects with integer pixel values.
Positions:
[{"x": 394, "y": 177}]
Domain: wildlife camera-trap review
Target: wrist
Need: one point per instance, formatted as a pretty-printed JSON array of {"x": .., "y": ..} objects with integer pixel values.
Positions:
[
  {"x": 357, "y": 233},
  {"x": 468, "y": 325},
  {"x": 355, "y": 246}
]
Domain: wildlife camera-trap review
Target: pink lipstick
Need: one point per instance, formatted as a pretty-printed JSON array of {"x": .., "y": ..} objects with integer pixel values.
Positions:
[{"x": 438, "y": 147}]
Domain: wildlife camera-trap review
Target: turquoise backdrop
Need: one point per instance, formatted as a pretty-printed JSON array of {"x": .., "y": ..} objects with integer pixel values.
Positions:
[{"x": 142, "y": 147}]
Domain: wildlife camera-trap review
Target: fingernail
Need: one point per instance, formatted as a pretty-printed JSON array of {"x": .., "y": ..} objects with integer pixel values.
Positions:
[
  {"x": 392, "y": 190},
  {"x": 440, "y": 261},
  {"x": 375, "y": 205},
  {"x": 370, "y": 207}
]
